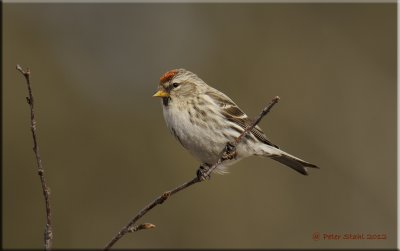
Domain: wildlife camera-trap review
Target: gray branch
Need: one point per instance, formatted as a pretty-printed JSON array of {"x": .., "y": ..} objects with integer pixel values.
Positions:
[{"x": 48, "y": 232}]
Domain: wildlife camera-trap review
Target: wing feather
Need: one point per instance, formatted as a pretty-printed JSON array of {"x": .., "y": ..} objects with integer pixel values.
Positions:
[{"x": 234, "y": 114}]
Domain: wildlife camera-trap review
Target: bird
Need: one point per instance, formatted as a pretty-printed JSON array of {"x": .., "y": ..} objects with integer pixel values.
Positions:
[{"x": 204, "y": 119}]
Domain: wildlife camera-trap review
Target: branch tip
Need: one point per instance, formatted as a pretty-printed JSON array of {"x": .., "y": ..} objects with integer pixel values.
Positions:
[
  {"x": 147, "y": 226},
  {"x": 141, "y": 227},
  {"x": 23, "y": 72}
]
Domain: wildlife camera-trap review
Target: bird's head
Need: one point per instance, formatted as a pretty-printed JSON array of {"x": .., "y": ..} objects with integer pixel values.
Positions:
[{"x": 178, "y": 84}]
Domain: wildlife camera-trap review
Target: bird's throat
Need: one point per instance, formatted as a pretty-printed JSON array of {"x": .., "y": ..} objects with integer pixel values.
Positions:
[{"x": 166, "y": 100}]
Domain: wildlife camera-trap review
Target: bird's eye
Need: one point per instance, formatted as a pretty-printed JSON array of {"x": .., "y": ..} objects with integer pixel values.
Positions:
[{"x": 175, "y": 85}]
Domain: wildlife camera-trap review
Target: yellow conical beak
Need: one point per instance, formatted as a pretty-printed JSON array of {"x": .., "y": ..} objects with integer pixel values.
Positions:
[{"x": 161, "y": 94}]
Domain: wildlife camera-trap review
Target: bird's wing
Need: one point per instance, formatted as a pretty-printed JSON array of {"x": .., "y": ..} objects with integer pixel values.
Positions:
[{"x": 234, "y": 114}]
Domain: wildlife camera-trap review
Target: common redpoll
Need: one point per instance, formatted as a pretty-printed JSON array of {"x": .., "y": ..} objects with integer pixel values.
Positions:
[{"x": 204, "y": 119}]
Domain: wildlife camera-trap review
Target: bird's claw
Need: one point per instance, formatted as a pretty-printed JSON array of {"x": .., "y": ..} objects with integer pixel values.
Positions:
[
  {"x": 229, "y": 152},
  {"x": 202, "y": 173}
]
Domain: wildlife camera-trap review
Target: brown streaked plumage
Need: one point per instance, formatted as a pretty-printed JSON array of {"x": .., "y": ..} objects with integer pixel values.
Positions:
[{"x": 204, "y": 119}]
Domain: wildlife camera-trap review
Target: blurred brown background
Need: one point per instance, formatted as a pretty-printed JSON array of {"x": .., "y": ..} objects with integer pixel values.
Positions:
[{"x": 107, "y": 152}]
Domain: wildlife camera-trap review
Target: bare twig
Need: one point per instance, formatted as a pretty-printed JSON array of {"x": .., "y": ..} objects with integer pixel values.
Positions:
[
  {"x": 141, "y": 227},
  {"x": 48, "y": 233},
  {"x": 227, "y": 153}
]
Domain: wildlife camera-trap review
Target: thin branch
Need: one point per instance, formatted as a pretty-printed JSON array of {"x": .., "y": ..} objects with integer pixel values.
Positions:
[
  {"x": 48, "y": 233},
  {"x": 141, "y": 227},
  {"x": 227, "y": 153}
]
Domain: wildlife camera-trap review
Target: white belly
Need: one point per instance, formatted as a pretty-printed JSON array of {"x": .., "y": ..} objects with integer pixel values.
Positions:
[
  {"x": 198, "y": 137},
  {"x": 206, "y": 141}
]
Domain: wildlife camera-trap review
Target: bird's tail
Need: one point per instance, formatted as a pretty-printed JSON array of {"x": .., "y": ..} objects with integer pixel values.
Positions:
[{"x": 291, "y": 161}]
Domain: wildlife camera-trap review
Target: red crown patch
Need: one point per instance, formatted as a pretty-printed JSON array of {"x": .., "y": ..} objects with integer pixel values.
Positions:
[{"x": 168, "y": 76}]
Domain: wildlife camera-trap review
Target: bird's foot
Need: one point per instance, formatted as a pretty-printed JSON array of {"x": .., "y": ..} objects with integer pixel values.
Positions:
[
  {"x": 202, "y": 172},
  {"x": 229, "y": 152}
]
